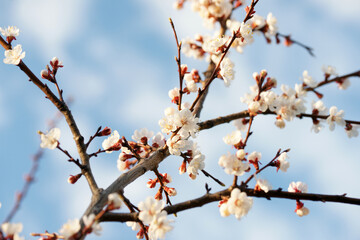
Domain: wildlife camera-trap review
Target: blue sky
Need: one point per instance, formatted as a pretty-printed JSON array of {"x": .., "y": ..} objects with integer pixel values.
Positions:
[{"x": 119, "y": 66}]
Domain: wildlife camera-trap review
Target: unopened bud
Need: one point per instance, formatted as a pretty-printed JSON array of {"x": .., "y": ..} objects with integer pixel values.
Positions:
[
  {"x": 166, "y": 178},
  {"x": 182, "y": 168},
  {"x": 158, "y": 195},
  {"x": 170, "y": 191},
  {"x": 256, "y": 76},
  {"x": 73, "y": 179},
  {"x": 184, "y": 69},
  {"x": 105, "y": 132},
  {"x": 240, "y": 154},
  {"x": 263, "y": 73},
  {"x": 151, "y": 183},
  {"x": 55, "y": 63}
]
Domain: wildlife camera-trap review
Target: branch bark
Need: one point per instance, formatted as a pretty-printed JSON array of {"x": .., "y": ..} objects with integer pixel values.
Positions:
[{"x": 209, "y": 198}]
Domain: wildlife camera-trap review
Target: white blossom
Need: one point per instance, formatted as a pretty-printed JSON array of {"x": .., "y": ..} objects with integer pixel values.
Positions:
[
  {"x": 254, "y": 107},
  {"x": 240, "y": 154},
  {"x": 188, "y": 123},
  {"x": 263, "y": 185},
  {"x": 239, "y": 203},
  {"x": 50, "y": 140},
  {"x": 111, "y": 141},
  {"x": 224, "y": 211},
  {"x": 135, "y": 226},
  {"x": 299, "y": 89},
  {"x": 283, "y": 164},
  {"x": 149, "y": 209},
  {"x": 257, "y": 21},
  {"x": 14, "y": 55},
  {"x": 343, "y": 84},
  {"x": 167, "y": 124},
  {"x": 335, "y": 117},
  {"x": 70, "y": 228},
  {"x": 329, "y": 70},
  {"x": 214, "y": 45},
  {"x": 232, "y": 165},
  {"x": 308, "y": 80},
  {"x": 246, "y": 32},
  {"x": 319, "y": 107},
  {"x": 159, "y": 226},
  {"x": 352, "y": 131},
  {"x": 227, "y": 71},
  {"x": 233, "y": 138},
  {"x": 115, "y": 200},
  {"x": 10, "y": 229},
  {"x": 159, "y": 140},
  {"x": 272, "y": 27},
  {"x": 239, "y": 124},
  {"x": 143, "y": 133},
  {"x": 177, "y": 145},
  {"x": 191, "y": 49},
  {"x": 302, "y": 211},
  {"x": 280, "y": 123},
  {"x": 89, "y": 222},
  {"x": 10, "y": 31},
  {"x": 197, "y": 164},
  {"x": 17, "y": 237},
  {"x": 190, "y": 83},
  {"x": 298, "y": 187},
  {"x": 174, "y": 93},
  {"x": 254, "y": 157}
]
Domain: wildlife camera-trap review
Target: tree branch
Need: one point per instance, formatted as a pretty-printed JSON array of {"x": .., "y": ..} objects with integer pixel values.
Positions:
[
  {"x": 208, "y": 198},
  {"x": 63, "y": 108}
]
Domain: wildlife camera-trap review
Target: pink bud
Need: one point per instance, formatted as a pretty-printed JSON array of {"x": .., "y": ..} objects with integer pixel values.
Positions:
[
  {"x": 73, "y": 179},
  {"x": 105, "y": 132}
]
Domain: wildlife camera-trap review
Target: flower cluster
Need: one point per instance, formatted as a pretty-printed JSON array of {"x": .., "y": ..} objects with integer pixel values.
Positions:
[
  {"x": 291, "y": 103},
  {"x": 15, "y": 54},
  {"x": 71, "y": 228},
  {"x": 193, "y": 161},
  {"x": 151, "y": 214},
  {"x": 163, "y": 180},
  {"x": 211, "y": 11},
  {"x": 49, "y": 73},
  {"x": 145, "y": 142}
]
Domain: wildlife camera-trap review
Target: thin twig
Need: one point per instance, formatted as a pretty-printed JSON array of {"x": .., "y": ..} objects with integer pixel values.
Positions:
[{"x": 178, "y": 61}]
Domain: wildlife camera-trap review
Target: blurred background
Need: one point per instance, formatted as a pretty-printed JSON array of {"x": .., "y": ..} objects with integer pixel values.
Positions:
[{"x": 119, "y": 65}]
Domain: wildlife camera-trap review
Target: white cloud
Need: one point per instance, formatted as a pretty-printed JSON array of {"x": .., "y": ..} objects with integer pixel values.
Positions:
[
  {"x": 50, "y": 24},
  {"x": 341, "y": 10}
]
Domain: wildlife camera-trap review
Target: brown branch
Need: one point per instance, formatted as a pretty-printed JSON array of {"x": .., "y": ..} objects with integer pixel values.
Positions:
[
  {"x": 93, "y": 137},
  {"x": 213, "y": 178},
  {"x": 29, "y": 179},
  {"x": 208, "y": 198},
  {"x": 244, "y": 114},
  {"x": 63, "y": 108},
  {"x": 126, "y": 178},
  {"x": 222, "y": 119}
]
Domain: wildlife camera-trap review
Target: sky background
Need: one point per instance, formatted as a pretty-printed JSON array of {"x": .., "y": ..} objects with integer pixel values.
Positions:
[{"x": 118, "y": 67}]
